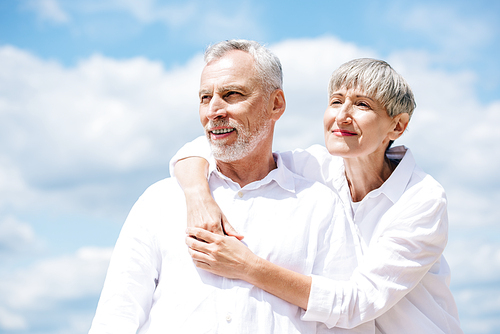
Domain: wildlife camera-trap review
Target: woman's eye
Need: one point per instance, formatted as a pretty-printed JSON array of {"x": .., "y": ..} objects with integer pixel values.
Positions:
[
  {"x": 335, "y": 102},
  {"x": 363, "y": 104}
]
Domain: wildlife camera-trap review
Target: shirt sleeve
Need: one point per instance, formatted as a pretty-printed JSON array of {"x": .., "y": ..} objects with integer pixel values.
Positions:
[
  {"x": 196, "y": 148},
  {"x": 335, "y": 259},
  {"x": 131, "y": 279},
  {"x": 407, "y": 246},
  {"x": 314, "y": 163}
]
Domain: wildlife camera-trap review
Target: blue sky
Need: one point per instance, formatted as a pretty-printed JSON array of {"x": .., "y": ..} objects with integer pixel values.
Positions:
[{"x": 97, "y": 95}]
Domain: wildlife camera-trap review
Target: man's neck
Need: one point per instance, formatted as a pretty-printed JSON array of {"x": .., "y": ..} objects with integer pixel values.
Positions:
[{"x": 249, "y": 169}]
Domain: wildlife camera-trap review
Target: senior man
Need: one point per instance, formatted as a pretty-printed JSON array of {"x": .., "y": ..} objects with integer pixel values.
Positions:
[{"x": 153, "y": 286}]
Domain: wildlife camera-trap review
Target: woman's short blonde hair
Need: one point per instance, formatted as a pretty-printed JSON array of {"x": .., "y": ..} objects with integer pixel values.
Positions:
[{"x": 378, "y": 80}]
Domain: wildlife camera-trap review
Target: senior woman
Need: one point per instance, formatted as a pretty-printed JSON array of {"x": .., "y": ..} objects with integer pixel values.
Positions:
[{"x": 398, "y": 213}]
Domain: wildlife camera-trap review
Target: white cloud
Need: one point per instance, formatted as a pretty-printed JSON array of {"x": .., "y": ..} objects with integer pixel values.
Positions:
[
  {"x": 15, "y": 237},
  {"x": 11, "y": 321},
  {"x": 475, "y": 260},
  {"x": 479, "y": 311},
  {"x": 76, "y": 128},
  {"x": 29, "y": 293},
  {"x": 57, "y": 279}
]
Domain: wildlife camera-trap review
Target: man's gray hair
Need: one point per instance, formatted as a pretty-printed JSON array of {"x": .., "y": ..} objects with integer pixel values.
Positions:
[
  {"x": 268, "y": 66},
  {"x": 377, "y": 79}
]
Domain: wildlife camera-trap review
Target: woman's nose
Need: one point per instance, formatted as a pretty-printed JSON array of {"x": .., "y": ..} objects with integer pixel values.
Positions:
[{"x": 344, "y": 113}]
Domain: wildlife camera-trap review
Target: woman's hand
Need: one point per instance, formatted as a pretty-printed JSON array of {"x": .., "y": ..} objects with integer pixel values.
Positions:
[
  {"x": 228, "y": 257},
  {"x": 203, "y": 212},
  {"x": 221, "y": 255}
]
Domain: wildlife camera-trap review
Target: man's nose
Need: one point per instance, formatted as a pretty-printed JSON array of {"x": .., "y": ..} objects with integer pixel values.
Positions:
[{"x": 216, "y": 108}]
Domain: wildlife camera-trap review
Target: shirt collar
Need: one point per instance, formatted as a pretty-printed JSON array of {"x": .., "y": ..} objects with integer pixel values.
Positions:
[
  {"x": 281, "y": 175},
  {"x": 395, "y": 185}
]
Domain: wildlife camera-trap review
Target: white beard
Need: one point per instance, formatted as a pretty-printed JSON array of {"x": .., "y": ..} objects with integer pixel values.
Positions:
[{"x": 245, "y": 143}]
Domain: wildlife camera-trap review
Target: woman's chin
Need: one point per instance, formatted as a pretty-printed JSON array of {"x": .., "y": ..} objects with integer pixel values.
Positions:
[{"x": 339, "y": 148}]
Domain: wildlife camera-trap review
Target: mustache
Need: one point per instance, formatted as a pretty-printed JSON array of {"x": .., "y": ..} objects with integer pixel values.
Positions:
[{"x": 220, "y": 122}]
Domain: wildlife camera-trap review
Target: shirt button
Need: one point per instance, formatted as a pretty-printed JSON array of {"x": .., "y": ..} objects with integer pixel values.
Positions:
[
  {"x": 240, "y": 194},
  {"x": 229, "y": 317}
]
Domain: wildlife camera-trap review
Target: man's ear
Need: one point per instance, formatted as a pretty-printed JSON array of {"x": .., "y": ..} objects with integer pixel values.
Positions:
[
  {"x": 277, "y": 104},
  {"x": 400, "y": 124}
]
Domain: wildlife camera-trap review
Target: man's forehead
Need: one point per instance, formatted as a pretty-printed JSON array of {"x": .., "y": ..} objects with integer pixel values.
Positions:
[{"x": 230, "y": 69}]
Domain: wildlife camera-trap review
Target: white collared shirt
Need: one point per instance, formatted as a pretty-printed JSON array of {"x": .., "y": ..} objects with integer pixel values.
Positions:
[
  {"x": 403, "y": 280},
  {"x": 152, "y": 285}
]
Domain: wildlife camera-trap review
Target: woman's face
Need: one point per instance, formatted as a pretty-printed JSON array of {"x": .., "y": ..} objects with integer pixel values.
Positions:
[{"x": 356, "y": 125}]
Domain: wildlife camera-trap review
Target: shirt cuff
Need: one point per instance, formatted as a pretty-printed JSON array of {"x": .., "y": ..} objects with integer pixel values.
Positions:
[{"x": 323, "y": 305}]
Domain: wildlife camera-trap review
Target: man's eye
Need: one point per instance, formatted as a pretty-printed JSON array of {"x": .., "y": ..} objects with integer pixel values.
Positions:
[
  {"x": 229, "y": 94},
  {"x": 204, "y": 99}
]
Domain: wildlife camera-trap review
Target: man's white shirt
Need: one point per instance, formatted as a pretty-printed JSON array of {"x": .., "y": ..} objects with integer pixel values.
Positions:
[{"x": 152, "y": 285}]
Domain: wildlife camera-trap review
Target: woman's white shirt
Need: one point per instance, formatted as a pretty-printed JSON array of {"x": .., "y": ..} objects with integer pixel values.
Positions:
[{"x": 402, "y": 280}]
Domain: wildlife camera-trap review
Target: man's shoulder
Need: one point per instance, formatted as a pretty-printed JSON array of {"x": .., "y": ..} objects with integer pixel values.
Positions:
[
  {"x": 160, "y": 201},
  {"x": 169, "y": 183}
]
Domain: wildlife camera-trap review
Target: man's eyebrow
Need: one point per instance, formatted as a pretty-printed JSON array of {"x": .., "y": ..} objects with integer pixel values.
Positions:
[
  {"x": 222, "y": 90},
  {"x": 228, "y": 88},
  {"x": 205, "y": 92}
]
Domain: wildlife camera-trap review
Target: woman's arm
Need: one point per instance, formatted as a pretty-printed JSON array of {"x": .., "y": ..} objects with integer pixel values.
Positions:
[
  {"x": 391, "y": 268},
  {"x": 228, "y": 257},
  {"x": 202, "y": 210},
  {"x": 190, "y": 166},
  {"x": 403, "y": 251}
]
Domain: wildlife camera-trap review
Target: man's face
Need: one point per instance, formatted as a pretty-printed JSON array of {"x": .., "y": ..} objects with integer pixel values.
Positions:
[{"x": 234, "y": 109}]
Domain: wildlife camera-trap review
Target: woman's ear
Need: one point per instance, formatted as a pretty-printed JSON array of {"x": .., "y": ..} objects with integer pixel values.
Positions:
[
  {"x": 400, "y": 123},
  {"x": 278, "y": 104}
]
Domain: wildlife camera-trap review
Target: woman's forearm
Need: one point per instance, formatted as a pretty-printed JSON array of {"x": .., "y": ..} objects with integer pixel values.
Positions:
[
  {"x": 228, "y": 257},
  {"x": 191, "y": 173},
  {"x": 283, "y": 283},
  {"x": 202, "y": 210}
]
